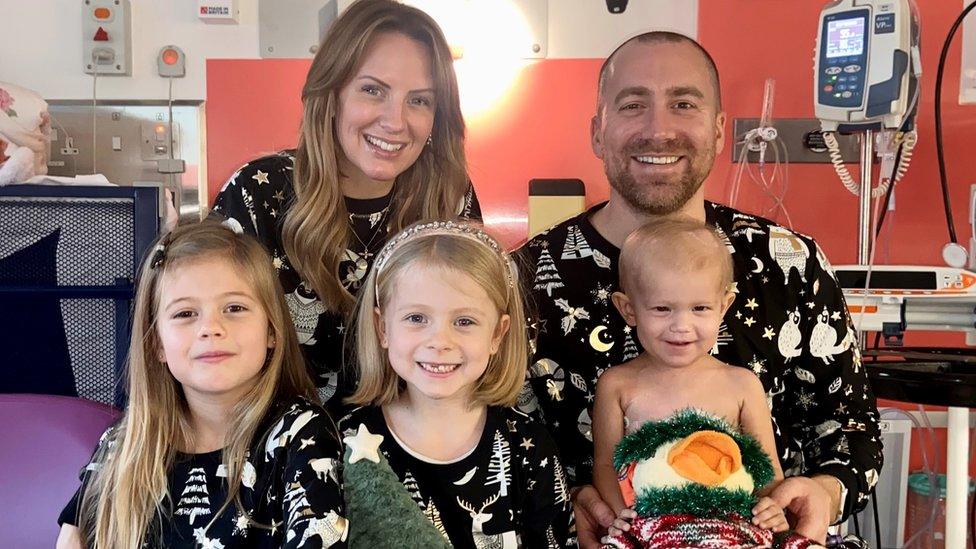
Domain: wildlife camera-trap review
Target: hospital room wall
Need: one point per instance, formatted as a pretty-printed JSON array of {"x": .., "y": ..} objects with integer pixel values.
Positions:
[{"x": 41, "y": 48}]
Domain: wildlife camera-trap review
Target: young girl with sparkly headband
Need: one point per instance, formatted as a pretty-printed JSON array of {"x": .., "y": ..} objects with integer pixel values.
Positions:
[
  {"x": 441, "y": 356},
  {"x": 221, "y": 444}
]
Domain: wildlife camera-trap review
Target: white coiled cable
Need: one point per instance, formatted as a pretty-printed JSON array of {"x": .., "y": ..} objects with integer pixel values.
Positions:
[{"x": 833, "y": 149}]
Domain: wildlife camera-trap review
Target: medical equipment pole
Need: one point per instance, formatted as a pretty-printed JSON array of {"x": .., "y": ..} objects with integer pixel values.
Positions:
[{"x": 864, "y": 235}]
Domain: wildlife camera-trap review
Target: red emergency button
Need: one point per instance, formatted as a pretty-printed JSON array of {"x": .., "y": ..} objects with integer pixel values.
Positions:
[
  {"x": 828, "y": 88},
  {"x": 170, "y": 56},
  {"x": 102, "y": 14},
  {"x": 100, "y": 35}
]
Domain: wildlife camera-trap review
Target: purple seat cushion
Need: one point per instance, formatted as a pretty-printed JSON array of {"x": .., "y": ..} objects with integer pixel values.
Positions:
[{"x": 45, "y": 441}]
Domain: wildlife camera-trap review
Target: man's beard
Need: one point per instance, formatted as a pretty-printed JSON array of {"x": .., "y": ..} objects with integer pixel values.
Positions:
[{"x": 659, "y": 196}]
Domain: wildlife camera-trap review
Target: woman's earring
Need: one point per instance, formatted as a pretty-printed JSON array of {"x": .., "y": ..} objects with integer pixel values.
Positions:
[{"x": 430, "y": 141}]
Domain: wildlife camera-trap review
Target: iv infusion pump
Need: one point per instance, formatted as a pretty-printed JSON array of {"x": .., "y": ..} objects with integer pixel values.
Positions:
[{"x": 866, "y": 65}]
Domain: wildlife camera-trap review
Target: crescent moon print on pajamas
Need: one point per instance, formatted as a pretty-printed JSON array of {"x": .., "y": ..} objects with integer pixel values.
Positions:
[
  {"x": 597, "y": 337},
  {"x": 305, "y": 309},
  {"x": 759, "y": 265},
  {"x": 788, "y": 251}
]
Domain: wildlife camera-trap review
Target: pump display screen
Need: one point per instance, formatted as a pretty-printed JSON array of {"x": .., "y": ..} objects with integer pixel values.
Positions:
[{"x": 845, "y": 37}]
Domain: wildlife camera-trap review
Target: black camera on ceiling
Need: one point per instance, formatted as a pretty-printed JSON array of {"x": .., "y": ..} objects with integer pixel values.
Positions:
[{"x": 616, "y": 6}]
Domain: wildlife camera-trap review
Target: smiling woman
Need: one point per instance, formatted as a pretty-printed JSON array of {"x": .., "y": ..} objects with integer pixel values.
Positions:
[{"x": 381, "y": 147}]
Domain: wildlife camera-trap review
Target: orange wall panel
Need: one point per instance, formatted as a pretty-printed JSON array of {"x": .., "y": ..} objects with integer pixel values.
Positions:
[{"x": 254, "y": 107}]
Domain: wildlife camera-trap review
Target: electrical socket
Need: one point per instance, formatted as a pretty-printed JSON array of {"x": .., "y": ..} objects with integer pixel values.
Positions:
[{"x": 69, "y": 147}]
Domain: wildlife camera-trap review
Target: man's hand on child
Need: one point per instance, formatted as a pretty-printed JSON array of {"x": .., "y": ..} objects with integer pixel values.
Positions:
[
  {"x": 767, "y": 514},
  {"x": 808, "y": 503},
  {"x": 593, "y": 515}
]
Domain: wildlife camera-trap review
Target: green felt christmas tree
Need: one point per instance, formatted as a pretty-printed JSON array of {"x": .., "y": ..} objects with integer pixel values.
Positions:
[{"x": 382, "y": 513}]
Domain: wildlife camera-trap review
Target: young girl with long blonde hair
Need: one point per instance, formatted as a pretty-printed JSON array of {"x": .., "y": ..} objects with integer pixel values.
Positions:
[
  {"x": 441, "y": 356},
  {"x": 221, "y": 444}
]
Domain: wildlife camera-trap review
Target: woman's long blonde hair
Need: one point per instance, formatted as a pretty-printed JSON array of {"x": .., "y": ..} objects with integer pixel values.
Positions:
[
  {"x": 126, "y": 494},
  {"x": 315, "y": 230},
  {"x": 461, "y": 248}
]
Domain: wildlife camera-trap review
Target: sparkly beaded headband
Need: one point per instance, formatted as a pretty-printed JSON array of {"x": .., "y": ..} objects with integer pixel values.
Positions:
[{"x": 435, "y": 228}]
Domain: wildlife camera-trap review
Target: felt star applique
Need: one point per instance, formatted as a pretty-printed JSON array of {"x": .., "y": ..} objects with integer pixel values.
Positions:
[{"x": 364, "y": 445}]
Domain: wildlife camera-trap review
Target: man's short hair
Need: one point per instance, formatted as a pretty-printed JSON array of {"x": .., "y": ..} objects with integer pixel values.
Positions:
[{"x": 659, "y": 37}]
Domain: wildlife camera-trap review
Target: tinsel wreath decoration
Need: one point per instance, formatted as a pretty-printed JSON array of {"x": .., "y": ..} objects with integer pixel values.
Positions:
[{"x": 691, "y": 479}]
